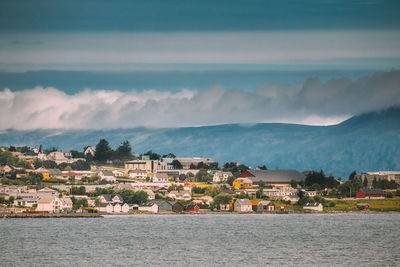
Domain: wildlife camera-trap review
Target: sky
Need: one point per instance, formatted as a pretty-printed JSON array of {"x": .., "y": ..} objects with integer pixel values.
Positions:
[{"x": 117, "y": 64}]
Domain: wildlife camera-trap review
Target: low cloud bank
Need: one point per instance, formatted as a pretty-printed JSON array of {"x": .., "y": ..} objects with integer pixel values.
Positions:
[{"x": 310, "y": 102}]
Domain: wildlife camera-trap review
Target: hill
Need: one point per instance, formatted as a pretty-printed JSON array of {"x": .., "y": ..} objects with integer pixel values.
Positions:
[{"x": 367, "y": 142}]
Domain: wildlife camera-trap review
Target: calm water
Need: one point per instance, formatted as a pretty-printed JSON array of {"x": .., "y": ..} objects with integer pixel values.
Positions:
[{"x": 203, "y": 240}]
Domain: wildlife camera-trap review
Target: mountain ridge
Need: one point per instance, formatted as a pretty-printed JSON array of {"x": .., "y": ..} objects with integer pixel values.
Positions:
[{"x": 366, "y": 142}]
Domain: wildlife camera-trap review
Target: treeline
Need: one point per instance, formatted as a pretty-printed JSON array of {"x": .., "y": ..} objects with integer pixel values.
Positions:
[{"x": 79, "y": 165}]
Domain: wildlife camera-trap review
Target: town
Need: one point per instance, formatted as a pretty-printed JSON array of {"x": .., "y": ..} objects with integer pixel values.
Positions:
[{"x": 102, "y": 181}]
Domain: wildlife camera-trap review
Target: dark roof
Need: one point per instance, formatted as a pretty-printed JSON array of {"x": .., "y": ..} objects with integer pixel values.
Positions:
[
  {"x": 107, "y": 197},
  {"x": 373, "y": 191},
  {"x": 107, "y": 173},
  {"x": 101, "y": 205},
  {"x": 275, "y": 175}
]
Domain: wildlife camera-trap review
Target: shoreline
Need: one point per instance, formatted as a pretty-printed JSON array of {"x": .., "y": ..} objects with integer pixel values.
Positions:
[{"x": 102, "y": 215}]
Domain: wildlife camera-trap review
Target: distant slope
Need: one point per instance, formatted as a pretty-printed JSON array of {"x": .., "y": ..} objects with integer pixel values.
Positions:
[{"x": 364, "y": 143}]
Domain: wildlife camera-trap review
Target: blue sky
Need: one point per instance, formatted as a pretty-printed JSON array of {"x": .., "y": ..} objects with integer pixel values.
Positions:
[{"x": 185, "y": 48}]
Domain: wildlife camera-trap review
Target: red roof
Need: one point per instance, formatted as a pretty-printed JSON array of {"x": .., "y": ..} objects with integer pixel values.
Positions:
[{"x": 246, "y": 174}]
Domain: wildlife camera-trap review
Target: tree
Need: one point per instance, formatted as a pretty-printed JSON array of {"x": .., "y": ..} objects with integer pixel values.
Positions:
[
  {"x": 132, "y": 197},
  {"x": 263, "y": 167},
  {"x": 230, "y": 180},
  {"x": 374, "y": 183},
  {"x": 365, "y": 183},
  {"x": 103, "y": 151},
  {"x": 80, "y": 165},
  {"x": 78, "y": 190},
  {"x": 222, "y": 199},
  {"x": 352, "y": 175},
  {"x": 152, "y": 156},
  {"x": 293, "y": 183},
  {"x": 176, "y": 164},
  {"x": 49, "y": 164},
  {"x": 76, "y": 154},
  {"x": 124, "y": 151},
  {"x": 212, "y": 191}
]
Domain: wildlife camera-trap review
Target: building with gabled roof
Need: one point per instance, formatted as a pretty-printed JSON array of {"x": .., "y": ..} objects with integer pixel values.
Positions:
[{"x": 275, "y": 177}]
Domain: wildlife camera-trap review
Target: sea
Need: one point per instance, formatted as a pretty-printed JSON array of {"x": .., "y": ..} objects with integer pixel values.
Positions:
[{"x": 203, "y": 240}]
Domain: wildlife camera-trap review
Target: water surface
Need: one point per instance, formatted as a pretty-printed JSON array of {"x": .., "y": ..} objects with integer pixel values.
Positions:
[{"x": 203, "y": 240}]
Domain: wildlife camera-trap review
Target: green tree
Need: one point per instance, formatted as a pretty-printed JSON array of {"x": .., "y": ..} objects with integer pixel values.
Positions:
[
  {"x": 365, "y": 183},
  {"x": 76, "y": 154},
  {"x": 352, "y": 175},
  {"x": 49, "y": 164},
  {"x": 124, "y": 151},
  {"x": 293, "y": 183},
  {"x": 222, "y": 199},
  {"x": 176, "y": 164},
  {"x": 230, "y": 180},
  {"x": 103, "y": 151}
]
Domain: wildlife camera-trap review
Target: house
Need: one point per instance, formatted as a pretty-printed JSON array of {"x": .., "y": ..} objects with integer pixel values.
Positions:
[
  {"x": 242, "y": 183},
  {"x": 224, "y": 207},
  {"x": 291, "y": 199},
  {"x": 117, "y": 208},
  {"x": 186, "y": 162},
  {"x": 178, "y": 207},
  {"x": 275, "y": 177},
  {"x": 108, "y": 198},
  {"x": 207, "y": 199},
  {"x": 149, "y": 207},
  {"x": 313, "y": 206},
  {"x": 220, "y": 176},
  {"x": 192, "y": 208},
  {"x": 180, "y": 195},
  {"x": 107, "y": 175},
  {"x": 160, "y": 178},
  {"x": 150, "y": 193},
  {"x": 163, "y": 205},
  {"x": 257, "y": 207},
  {"x": 26, "y": 199},
  {"x": 66, "y": 203},
  {"x": 243, "y": 205},
  {"x": 90, "y": 150},
  {"x": 138, "y": 174},
  {"x": 371, "y": 193},
  {"x": 49, "y": 203},
  {"x": 143, "y": 165},
  {"x": 104, "y": 207},
  {"x": 309, "y": 193},
  {"x": 268, "y": 206},
  {"x": 47, "y": 191}
]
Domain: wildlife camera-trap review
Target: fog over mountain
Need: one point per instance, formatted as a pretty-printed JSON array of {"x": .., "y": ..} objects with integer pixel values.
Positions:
[{"x": 368, "y": 142}]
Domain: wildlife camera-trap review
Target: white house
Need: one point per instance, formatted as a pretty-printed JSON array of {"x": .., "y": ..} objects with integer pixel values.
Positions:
[
  {"x": 149, "y": 207},
  {"x": 108, "y": 198},
  {"x": 220, "y": 176},
  {"x": 180, "y": 195},
  {"x": 243, "y": 205},
  {"x": 51, "y": 204},
  {"x": 138, "y": 174},
  {"x": 313, "y": 206},
  {"x": 125, "y": 208},
  {"x": 107, "y": 175},
  {"x": 47, "y": 192},
  {"x": 117, "y": 208},
  {"x": 90, "y": 150},
  {"x": 160, "y": 178}
]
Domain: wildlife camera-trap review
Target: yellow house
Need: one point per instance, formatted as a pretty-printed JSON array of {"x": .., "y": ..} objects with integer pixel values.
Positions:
[
  {"x": 242, "y": 183},
  {"x": 46, "y": 175}
]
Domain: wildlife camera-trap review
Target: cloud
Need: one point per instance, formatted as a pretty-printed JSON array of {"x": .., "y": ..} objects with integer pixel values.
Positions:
[
  {"x": 309, "y": 102},
  {"x": 335, "y": 47}
]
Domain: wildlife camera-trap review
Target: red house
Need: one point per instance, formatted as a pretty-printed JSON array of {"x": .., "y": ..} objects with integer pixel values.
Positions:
[
  {"x": 370, "y": 193},
  {"x": 192, "y": 208}
]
